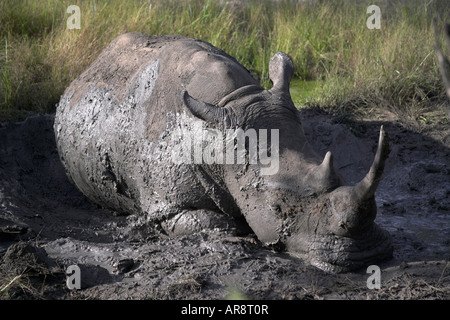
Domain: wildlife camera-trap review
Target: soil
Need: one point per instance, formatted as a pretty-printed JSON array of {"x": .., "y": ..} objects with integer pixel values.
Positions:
[{"x": 46, "y": 225}]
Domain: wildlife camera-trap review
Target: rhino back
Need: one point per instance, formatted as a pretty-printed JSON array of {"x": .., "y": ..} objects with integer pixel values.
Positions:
[{"x": 113, "y": 122}]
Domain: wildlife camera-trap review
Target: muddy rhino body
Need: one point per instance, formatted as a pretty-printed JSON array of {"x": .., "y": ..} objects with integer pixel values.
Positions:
[{"x": 117, "y": 126}]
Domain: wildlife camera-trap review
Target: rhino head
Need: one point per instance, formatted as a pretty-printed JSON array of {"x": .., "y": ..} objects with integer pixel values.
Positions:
[{"x": 304, "y": 207}]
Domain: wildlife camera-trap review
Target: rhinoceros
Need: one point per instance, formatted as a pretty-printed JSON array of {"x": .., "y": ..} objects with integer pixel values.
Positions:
[{"x": 117, "y": 126}]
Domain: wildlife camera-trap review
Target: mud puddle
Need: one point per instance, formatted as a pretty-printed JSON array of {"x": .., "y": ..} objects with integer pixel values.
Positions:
[{"x": 46, "y": 225}]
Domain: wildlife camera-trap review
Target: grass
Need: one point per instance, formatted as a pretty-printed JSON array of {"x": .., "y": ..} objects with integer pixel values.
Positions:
[
  {"x": 9, "y": 93},
  {"x": 340, "y": 64}
]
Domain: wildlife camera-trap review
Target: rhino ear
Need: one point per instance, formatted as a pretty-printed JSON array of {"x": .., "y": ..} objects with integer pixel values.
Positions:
[
  {"x": 204, "y": 110},
  {"x": 281, "y": 70}
]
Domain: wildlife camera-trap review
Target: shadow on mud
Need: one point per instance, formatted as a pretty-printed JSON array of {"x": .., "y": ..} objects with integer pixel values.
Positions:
[
  {"x": 413, "y": 198},
  {"x": 39, "y": 205}
]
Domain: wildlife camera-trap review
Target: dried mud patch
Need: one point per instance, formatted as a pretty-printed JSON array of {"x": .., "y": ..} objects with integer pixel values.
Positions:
[{"x": 46, "y": 225}]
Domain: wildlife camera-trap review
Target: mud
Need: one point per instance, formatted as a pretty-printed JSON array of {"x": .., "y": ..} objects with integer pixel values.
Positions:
[{"x": 46, "y": 225}]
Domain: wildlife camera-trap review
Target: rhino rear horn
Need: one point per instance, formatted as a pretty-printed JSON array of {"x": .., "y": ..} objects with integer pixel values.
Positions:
[
  {"x": 365, "y": 189},
  {"x": 327, "y": 164},
  {"x": 326, "y": 173},
  {"x": 205, "y": 111}
]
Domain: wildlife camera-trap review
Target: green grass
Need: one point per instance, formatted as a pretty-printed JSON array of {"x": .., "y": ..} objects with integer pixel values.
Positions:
[
  {"x": 304, "y": 91},
  {"x": 340, "y": 64},
  {"x": 9, "y": 92}
]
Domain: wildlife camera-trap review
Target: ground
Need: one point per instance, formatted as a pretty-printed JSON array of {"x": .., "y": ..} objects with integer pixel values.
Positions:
[{"x": 46, "y": 225}]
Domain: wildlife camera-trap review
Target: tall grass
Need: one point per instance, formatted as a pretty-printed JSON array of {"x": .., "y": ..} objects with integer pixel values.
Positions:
[
  {"x": 9, "y": 92},
  {"x": 355, "y": 68}
]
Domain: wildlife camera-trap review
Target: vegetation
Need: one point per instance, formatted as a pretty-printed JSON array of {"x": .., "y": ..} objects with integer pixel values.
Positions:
[{"x": 340, "y": 63}]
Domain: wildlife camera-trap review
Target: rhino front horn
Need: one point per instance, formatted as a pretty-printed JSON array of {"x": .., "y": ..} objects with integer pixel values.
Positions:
[{"x": 365, "y": 189}]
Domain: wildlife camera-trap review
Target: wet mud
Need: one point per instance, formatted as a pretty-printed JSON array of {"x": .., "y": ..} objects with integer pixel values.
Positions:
[{"x": 46, "y": 225}]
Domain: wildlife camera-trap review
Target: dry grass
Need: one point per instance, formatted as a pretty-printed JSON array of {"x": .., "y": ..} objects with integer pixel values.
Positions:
[{"x": 357, "y": 69}]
